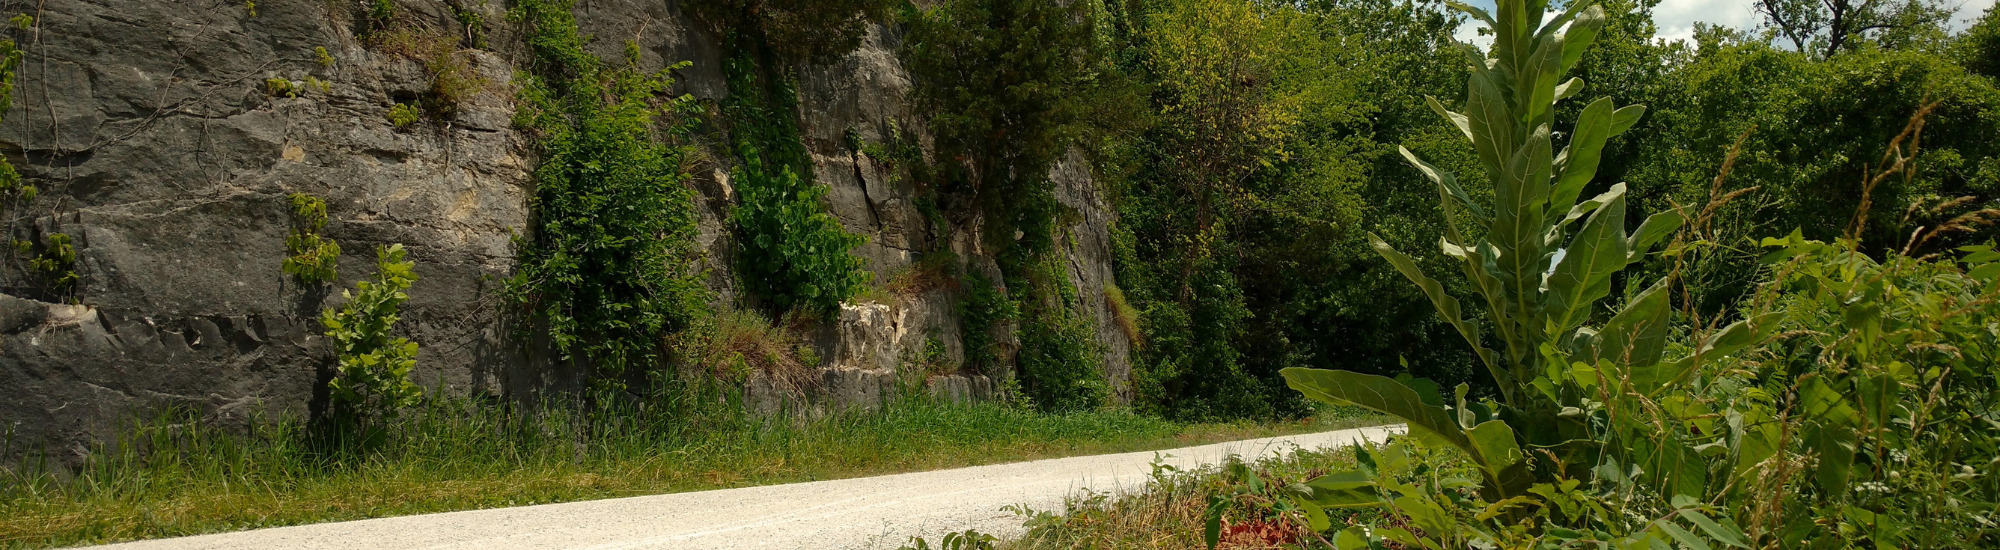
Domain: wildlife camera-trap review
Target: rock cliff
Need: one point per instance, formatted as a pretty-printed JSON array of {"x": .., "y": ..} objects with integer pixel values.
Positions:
[{"x": 159, "y": 145}]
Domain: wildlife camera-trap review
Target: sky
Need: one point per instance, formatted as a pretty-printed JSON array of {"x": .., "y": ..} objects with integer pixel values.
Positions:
[{"x": 1676, "y": 18}]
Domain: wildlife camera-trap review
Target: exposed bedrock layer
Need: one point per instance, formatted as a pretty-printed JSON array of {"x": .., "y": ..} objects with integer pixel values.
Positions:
[{"x": 153, "y": 133}]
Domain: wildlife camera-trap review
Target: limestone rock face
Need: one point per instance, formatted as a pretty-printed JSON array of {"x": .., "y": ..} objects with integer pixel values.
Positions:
[{"x": 151, "y": 131}]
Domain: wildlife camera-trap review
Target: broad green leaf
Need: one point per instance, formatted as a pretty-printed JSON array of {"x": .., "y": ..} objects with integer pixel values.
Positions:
[
  {"x": 1351, "y": 489},
  {"x": 1350, "y": 539},
  {"x": 1584, "y": 276},
  {"x": 1682, "y": 536},
  {"x": 1656, "y": 228},
  {"x": 1586, "y": 148},
  {"x": 1425, "y": 514},
  {"x": 1625, "y": 117},
  {"x": 1716, "y": 531},
  {"x": 1380, "y": 394},
  {"x": 1835, "y": 444},
  {"x": 1569, "y": 89},
  {"x": 1581, "y": 33},
  {"x": 1212, "y": 528},
  {"x": 1496, "y": 446}
]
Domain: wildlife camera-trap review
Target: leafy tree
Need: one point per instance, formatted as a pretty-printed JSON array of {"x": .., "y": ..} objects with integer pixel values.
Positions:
[
  {"x": 1979, "y": 47},
  {"x": 1830, "y": 27},
  {"x": 1009, "y": 87}
]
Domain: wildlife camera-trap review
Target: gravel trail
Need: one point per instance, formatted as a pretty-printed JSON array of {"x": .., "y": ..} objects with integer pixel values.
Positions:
[{"x": 870, "y": 512}]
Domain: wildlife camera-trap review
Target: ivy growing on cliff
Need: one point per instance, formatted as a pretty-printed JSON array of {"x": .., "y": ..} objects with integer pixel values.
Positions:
[
  {"x": 12, "y": 191},
  {"x": 605, "y": 272},
  {"x": 794, "y": 253}
]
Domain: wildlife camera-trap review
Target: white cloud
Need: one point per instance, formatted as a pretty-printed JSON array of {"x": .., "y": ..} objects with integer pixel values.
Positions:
[
  {"x": 1968, "y": 12},
  {"x": 1676, "y": 18}
]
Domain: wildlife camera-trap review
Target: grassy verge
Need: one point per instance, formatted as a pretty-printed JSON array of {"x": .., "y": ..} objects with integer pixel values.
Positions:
[
  {"x": 171, "y": 478},
  {"x": 1172, "y": 511}
]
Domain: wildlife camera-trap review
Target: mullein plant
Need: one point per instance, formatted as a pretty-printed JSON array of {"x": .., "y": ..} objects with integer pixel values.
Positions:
[{"x": 1541, "y": 256}]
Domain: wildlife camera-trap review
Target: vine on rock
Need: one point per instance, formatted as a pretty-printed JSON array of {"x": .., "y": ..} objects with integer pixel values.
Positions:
[
  {"x": 794, "y": 253},
  {"x": 606, "y": 271}
]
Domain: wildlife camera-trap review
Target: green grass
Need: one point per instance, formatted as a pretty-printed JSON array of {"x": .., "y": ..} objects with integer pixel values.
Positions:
[
  {"x": 1172, "y": 510},
  {"x": 169, "y": 478}
]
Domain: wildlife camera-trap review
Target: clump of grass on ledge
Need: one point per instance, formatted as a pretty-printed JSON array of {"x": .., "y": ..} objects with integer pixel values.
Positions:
[{"x": 173, "y": 477}]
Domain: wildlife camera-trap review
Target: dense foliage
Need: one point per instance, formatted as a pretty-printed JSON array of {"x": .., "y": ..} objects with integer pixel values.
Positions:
[
  {"x": 1851, "y": 396},
  {"x": 606, "y": 273},
  {"x": 1009, "y": 87},
  {"x": 794, "y": 253},
  {"x": 796, "y": 30},
  {"x": 1244, "y": 247}
]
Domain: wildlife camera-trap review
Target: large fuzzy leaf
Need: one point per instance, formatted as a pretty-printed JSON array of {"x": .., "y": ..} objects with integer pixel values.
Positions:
[
  {"x": 1586, "y": 148},
  {"x": 1584, "y": 276},
  {"x": 1655, "y": 229},
  {"x": 1380, "y": 394},
  {"x": 1352, "y": 489}
]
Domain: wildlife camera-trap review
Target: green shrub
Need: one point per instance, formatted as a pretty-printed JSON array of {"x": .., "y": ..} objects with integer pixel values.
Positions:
[
  {"x": 604, "y": 272},
  {"x": 371, "y": 381},
  {"x": 1126, "y": 316},
  {"x": 1885, "y": 377},
  {"x": 795, "y": 254},
  {"x": 472, "y": 21},
  {"x": 402, "y": 115},
  {"x": 985, "y": 313},
  {"x": 281, "y": 87},
  {"x": 1061, "y": 362},
  {"x": 53, "y": 261},
  {"x": 453, "y": 79},
  {"x": 311, "y": 258},
  {"x": 12, "y": 191}
]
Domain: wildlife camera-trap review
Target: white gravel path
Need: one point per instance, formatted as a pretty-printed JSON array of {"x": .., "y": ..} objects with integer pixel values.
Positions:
[{"x": 870, "y": 512}]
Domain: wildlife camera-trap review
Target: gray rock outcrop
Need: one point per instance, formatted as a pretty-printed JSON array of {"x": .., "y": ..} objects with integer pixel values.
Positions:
[{"x": 151, "y": 131}]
